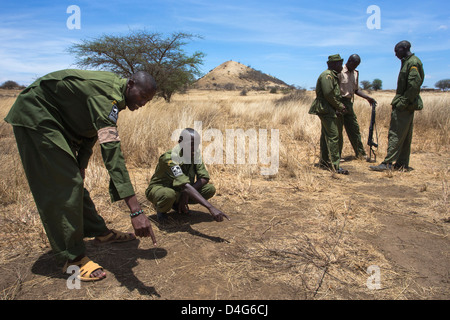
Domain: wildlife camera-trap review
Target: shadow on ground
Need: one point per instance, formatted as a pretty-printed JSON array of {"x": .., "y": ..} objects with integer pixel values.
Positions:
[{"x": 118, "y": 259}]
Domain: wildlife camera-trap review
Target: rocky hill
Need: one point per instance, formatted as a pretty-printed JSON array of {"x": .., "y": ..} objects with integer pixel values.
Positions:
[{"x": 232, "y": 75}]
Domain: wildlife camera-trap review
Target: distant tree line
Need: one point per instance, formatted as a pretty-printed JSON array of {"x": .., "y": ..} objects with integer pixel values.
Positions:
[
  {"x": 230, "y": 86},
  {"x": 376, "y": 85},
  {"x": 11, "y": 85},
  {"x": 443, "y": 85}
]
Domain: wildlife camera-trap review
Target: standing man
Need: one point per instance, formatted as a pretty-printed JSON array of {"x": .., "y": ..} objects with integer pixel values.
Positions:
[
  {"x": 181, "y": 178},
  {"x": 407, "y": 99},
  {"x": 349, "y": 84},
  {"x": 56, "y": 122},
  {"x": 329, "y": 107}
]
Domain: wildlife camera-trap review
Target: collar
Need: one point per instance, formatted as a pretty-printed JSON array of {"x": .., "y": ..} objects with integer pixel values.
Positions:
[
  {"x": 345, "y": 69},
  {"x": 333, "y": 72},
  {"x": 407, "y": 57},
  {"x": 178, "y": 158},
  {"x": 123, "y": 89}
]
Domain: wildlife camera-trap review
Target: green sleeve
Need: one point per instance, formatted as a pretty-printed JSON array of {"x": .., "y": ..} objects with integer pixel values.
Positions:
[
  {"x": 413, "y": 84},
  {"x": 104, "y": 114},
  {"x": 85, "y": 152},
  {"x": 174, "y": 172},
  {"x": 331, "y": 91},
  {"x": 201, "y": 171},
  {"x": 104, "y": 111},
  {"x": 120, "y": 184}
]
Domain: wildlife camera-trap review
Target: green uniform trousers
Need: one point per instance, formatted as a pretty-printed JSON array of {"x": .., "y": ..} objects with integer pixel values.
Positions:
[
  {"x": 331, "y": 141},
  {"x": 163, "y": 198},
  {"x": 400, "y": 137},
  {"x": 352, "y": 128},
  {"x": 64, "y": 205}
]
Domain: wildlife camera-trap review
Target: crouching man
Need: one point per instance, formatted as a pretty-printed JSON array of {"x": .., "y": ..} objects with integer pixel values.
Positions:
[{"x": 182, "y": 179}]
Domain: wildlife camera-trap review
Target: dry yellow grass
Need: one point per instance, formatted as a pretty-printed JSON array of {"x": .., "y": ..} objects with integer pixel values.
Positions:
[
  {"x": 298, "y": 232},
  {"x": 147, "y": 132}
]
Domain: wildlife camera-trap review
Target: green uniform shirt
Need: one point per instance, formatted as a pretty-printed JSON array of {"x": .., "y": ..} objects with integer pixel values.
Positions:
[
  {"x": 74, "y": 109},
  {"x": 328, "y": 95},
  {"x": 410, "y": 80},
  {"x": 171, "y": 174}
]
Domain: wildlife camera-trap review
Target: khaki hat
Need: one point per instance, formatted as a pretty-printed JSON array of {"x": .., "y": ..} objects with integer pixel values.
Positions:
[{"x": 334, "y": 57}]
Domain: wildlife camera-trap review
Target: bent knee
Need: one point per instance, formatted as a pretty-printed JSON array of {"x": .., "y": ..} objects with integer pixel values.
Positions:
[
  {"x": 162, "y": 198},
  {"x": 208, "y": 191}
]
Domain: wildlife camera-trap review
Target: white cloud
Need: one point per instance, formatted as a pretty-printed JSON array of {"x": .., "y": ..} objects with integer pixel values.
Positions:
[{"x": 28, "y": 54}]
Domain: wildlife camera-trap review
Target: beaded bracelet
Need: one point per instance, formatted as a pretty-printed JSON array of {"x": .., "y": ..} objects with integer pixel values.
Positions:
[{"x": 135, "y": 214}]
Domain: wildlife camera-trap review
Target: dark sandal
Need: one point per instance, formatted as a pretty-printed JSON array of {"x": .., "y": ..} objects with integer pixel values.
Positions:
[{"x": 114, "y": 236}]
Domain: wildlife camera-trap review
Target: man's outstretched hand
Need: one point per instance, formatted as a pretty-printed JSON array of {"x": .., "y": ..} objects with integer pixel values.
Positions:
[
  {"x": 142, "y": 227},
  {"x": 140, "y": 223},
  {"x": 217, "y": 214}
]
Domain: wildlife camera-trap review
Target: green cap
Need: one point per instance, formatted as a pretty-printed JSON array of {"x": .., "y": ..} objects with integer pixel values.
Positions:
[{"x": 335, "y": 57}]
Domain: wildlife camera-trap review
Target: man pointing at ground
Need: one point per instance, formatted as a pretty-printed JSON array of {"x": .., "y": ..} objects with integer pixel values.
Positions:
[{"x": 56, "y": 122}]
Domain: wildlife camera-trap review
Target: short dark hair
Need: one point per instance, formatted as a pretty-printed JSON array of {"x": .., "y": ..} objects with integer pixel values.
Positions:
[
  {"x": 144, "y": 80},
  {"x": 354, "y": 57},
  {"x": 188, "y": 132},
  {"x": 404, "y": 44}
]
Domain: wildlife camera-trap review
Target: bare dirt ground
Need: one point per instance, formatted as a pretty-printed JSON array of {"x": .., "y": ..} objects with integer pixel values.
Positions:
[{"x": 285, "y": 241}]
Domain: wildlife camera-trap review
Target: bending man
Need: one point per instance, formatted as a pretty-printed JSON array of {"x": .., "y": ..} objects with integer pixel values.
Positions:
[{"x": 56, "y": 122}]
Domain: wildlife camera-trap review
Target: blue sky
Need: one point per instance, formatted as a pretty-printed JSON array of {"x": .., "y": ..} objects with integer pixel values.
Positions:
[{"x": 288, "y": 39}]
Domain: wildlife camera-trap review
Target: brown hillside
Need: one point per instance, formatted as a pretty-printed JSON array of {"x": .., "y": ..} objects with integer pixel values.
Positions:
[{"x": 233, "y": 75}]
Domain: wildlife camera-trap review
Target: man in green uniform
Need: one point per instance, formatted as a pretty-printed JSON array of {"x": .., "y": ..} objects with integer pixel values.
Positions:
[
  {"x": 329, "y": 107},
  {"x": 407, "y": 99},
  {"x": 349, "y": 84},
  {"x": 56, "y": 122},
  {"x": 181, "y": 178}
]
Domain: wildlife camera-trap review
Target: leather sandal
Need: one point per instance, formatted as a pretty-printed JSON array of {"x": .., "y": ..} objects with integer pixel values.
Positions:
[
  {"x": 87, "y": 267},
  {"x": 114, "y": 236}
]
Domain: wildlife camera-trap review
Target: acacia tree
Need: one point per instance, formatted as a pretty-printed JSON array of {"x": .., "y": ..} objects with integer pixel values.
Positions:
[
  {"x": 11, "y": 85},
  {"x": 366, "y": 85},
  {"x": 377, "y": 84},
  {"x": 162, "y": 57},
  {"x": 443, "y": 84}
]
